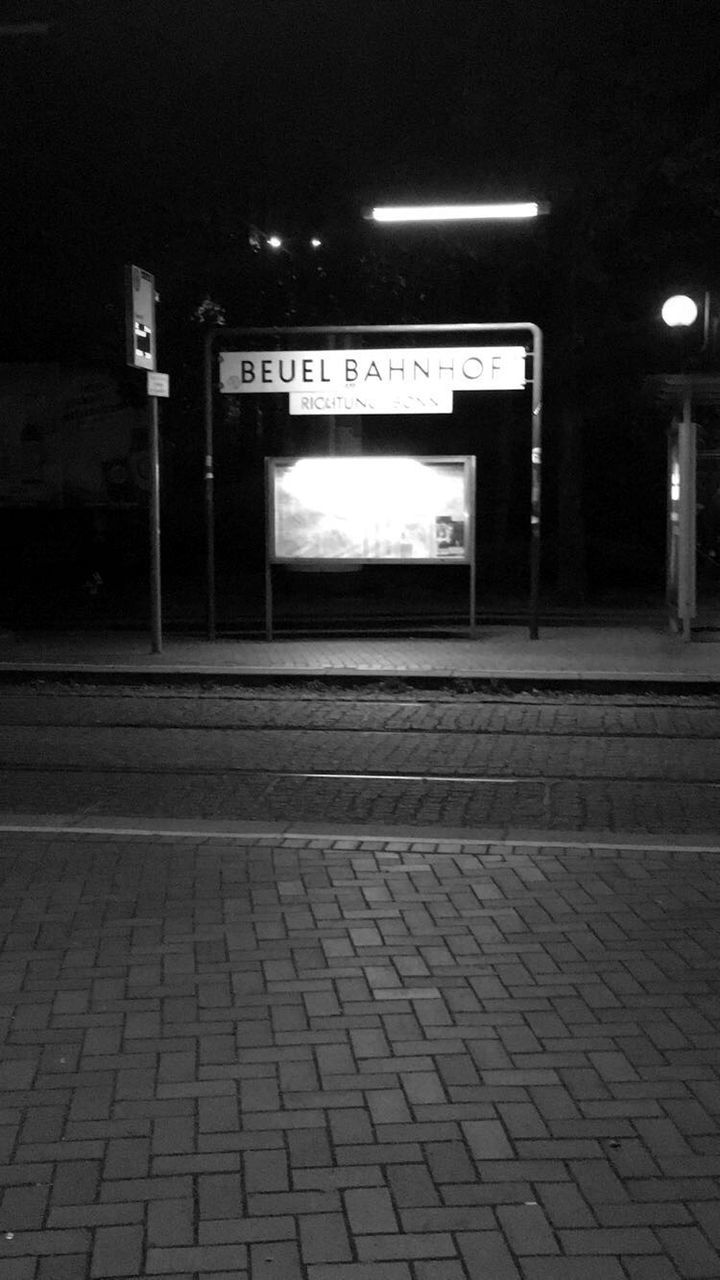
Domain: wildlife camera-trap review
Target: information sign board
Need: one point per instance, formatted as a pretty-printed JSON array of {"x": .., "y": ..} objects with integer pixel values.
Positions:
[
  {"x": 140, "y": 318},
  {"x": 158, "y": 384},
  {"x": 368, "y": 509}
]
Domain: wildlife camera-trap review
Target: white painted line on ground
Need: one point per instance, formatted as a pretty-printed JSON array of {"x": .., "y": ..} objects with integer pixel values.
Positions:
[{"x": 410, "y": 777}]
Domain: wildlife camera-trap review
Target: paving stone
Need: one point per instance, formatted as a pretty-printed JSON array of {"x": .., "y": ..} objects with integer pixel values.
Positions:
[
  {"x": 654, "y": 1268},
  {"x": 95, "y": 1215},
  {"x": 449, "y": 1162},
  {"x": 370, "y": 1210},
  {"x": 323, "y": 1238},
  {"x": 486, "y": 1256},
  {"x": 613, "y": 1240},
  {"x": 197, "y": 1258},
  {"x": 219, "y": 1196},
  {"x": 170, "y": 1222},
  {"x": 293, "y": 1202},
  {"x": 598, "y": 1182},
  {"x": 308, "y": 1148},
  {"x": 265, "y": 1171},
  {"x": 691, "y": 1252},
  {"x": 350, "y": 1126},
  {"x": 127, "y": 1158},
  {"x": 565, "y": 1207},
  {"x": 217, "y": 1115},
  {"x": 144, "y": 1189},
  {"x": 117, "y": 1251},
  {"x": 276, "y": 1260},
  {"x": 388, "y": 1106},
  {"x": 527, "y": 1230},
  {"x": 241, "y": 1230},
  {"x": 487, "y": 1140},
  {"x": 23, "y": 1208},
  {"x": 358, "y": 1271},
  {"x": 447, "y": 1218},
  {"x": 405, "y": 1245},
  {"x": 557, "y": 1268},
  {"x": 412, "y": 1185}
]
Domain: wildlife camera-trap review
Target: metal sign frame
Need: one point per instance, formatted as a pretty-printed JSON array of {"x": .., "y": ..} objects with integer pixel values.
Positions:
[{"x": 535, "y": 354}]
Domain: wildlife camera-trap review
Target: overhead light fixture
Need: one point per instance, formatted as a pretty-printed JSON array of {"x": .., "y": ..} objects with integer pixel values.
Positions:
[{"x": 455, "y": 212}]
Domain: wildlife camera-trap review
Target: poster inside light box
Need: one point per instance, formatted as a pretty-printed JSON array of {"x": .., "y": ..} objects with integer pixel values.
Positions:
[{"x": 370, "y": 508}]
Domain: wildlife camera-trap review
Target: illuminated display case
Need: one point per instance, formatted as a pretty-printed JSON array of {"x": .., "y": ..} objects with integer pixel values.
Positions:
[
  {"x": 327, "y": 511},
  {"x": 371, "y": 509}
]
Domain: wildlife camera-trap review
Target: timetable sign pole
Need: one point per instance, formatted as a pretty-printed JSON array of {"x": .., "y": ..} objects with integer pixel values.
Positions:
[{"x": 141, "y": 339}]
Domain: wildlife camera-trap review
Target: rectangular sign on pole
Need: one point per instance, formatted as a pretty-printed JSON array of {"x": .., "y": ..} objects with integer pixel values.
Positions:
[
  {"x": 140, "y": 318},
  {"x": 404, "y": 369},
  {"x": 158, "y": 384}
]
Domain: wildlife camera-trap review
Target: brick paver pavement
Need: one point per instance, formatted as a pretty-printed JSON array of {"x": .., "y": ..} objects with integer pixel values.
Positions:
[
  {"x": 357, "y": 1059},
  {"x": 635, "y": 653}
]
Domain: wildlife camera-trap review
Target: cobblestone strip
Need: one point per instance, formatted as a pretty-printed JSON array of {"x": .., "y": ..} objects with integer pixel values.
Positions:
[{"x": 348, "y": 1059}]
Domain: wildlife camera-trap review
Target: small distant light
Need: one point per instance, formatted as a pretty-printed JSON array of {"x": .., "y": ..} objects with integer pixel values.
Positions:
[
  {"x": 679, "y": 311},
  {"x": 275, "y": 242},
  {"x": 315, "y": 243}
]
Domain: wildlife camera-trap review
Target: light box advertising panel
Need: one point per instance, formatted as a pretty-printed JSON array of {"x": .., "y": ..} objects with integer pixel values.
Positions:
[{"x": 388, "y": 509}]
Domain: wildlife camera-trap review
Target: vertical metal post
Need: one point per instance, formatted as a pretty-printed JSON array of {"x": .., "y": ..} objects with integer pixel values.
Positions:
[
  {"x": 470, "y": 499},
  {"x": 269, "y": 518},
  {"x": 535, "y": 480},
  {"x": 687, "y": 606},
  {"x": 209, "y": 486},
  {"x": 155, "y": 590}
]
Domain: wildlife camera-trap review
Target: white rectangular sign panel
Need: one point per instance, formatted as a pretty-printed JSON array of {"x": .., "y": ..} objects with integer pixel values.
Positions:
[
  {"x": 405, "y": 368},
  {"x": 158, "y": 384},
  {"x": 336, "y": 400}
]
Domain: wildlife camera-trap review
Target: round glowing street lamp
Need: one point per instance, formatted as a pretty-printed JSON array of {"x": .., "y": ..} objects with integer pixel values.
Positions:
[{"x": 679, "y": 311}]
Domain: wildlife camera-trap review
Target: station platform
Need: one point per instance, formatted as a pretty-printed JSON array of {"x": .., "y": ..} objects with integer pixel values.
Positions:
[{"x": 647, "y": 656}]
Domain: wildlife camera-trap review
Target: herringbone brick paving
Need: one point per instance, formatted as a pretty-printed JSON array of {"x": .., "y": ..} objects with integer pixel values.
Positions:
[{"x": 318, "y": 1059}]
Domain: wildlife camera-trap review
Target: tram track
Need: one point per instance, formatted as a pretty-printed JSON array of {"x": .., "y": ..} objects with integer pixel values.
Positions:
[
  {"x": 588, "y": 763},
  {"x": 683, "y": 719},
  {"x": 454, "y": 779}
]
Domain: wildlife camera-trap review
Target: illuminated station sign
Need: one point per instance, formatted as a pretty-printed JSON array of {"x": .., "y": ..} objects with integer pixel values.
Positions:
[{"x": 390, "y": 380}]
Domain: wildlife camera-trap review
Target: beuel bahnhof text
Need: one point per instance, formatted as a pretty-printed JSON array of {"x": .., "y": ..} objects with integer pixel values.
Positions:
[{"x": 455, "y": 368}]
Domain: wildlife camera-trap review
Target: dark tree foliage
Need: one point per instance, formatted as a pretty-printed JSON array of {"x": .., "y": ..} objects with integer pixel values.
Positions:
[{"x": 180, "y": 143}]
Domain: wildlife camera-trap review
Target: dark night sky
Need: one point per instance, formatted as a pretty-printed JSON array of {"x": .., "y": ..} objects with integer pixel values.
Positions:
[{"x": 130, "y": 122}]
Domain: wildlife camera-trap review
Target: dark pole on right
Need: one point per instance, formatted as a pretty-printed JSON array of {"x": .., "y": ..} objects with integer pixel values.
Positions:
[
  {"x": 209, "y": 485},
  {"x": 535, "y": 480}
]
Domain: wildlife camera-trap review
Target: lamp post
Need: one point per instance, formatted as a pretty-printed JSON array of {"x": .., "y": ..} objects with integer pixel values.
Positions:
[
  {"x": 697, "y": 383},
  {"x": 498, "y": 212}
]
